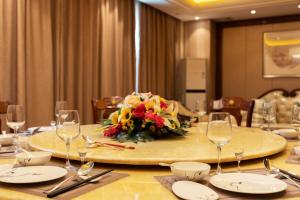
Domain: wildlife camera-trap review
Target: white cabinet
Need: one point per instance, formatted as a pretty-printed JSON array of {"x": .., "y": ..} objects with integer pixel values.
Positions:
[{"x": 191, "y": 83}]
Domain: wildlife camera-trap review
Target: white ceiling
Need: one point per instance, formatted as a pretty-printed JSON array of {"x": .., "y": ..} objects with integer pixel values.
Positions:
[{"x": 219, "y": 10}]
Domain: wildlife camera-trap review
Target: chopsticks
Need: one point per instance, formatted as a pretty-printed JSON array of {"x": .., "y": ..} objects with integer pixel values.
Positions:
[
  {"x": 75, "y": 185},
  {"x": 116, "y": 145}
]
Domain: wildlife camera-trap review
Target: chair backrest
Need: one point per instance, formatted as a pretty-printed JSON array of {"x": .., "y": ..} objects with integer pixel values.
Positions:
[
  {"x": 283, "y": 100},
  {"x": 3, "y": 110},
  {"x": 102, "y": 108},
  {"x": 234, "y": 106}
]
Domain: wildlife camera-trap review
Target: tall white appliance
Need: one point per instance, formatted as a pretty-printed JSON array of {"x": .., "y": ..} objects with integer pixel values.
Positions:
[{"x": 191, "y": 83}]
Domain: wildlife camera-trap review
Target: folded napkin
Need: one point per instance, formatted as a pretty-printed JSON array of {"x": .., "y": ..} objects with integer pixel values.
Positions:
[{"x": 286, "y": 133}]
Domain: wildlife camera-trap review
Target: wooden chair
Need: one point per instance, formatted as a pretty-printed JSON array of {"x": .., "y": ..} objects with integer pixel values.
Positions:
[
  {"x": 234, "y": 106},
  {"x": 3, "y": 110},
  {"x": 102, "y": 108}
]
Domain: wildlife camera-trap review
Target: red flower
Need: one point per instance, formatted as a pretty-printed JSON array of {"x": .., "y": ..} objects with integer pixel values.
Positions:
[
  {"x": 159, "y": 121},
  {"x": 139, "y": 111},
  {"x": 163, "y": 105},
  {"x": 112, "y": 131}
]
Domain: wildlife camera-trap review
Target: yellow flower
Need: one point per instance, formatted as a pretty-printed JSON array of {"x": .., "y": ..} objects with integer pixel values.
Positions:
[
  {"x": 149, "y": 105},
  {"x": 129, "y": 123},
  {"x": 114, "y": 117},
  {"x": 124, "y": 116},
  {"x": 162, "y": 99}
]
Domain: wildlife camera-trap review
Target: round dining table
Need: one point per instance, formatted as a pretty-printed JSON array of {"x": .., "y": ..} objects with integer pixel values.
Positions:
[{"x": 141, "y": 184}]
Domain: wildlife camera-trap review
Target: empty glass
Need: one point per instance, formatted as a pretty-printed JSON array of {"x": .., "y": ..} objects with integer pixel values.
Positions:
[
  {"x": 239, "y": 152},
  {"x": 295, "y": 119},
  {"x": 200, "y": 108},
  {"x": 269, "y": 113},
  {"x": 219, "y": 132},
  {"x": 60, "y": 105},
  {"x": 68, "y": 128},
  {"x": 15, "y": 119}
]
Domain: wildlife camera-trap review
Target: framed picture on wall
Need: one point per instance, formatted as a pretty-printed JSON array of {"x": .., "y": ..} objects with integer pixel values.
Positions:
[{"x": 282, "y": 54}]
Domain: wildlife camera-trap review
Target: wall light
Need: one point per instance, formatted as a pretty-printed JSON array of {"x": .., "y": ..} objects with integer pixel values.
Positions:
[
  {"x": 253, "y": 12},
  {"x": 197, "y": 18},
  {"x": 299, "y": 6}
]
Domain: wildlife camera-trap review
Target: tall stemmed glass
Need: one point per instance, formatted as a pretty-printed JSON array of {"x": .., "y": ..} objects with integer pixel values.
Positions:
[
  {"x": 219, "y": 132},
  {"x": 15, "y": 119},
  {"x": 269, "y": 113},
  {"x": 295, "y": 119},
  {"x": 68, "y": 128},
  {"x": 60, "y": 105}
]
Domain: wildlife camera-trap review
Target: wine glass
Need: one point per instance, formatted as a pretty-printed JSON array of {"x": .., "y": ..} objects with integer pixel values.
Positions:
[
  {"x": 295, "y": 119},
  {"x": 60, "y": 105},
  {"x": 200, "y": 108},
  {"x": 15, "y": 119},
  {"x": 269, "y": 113},
  {"x": 219, "y": 132},
  {"x": 83, "y": 150},
  {"x": 239, "y": 152},
  {"x": 68, "y": 129}
]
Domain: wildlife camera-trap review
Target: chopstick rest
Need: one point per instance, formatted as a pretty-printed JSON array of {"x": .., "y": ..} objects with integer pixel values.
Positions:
[{"x": 75, "y": 185}]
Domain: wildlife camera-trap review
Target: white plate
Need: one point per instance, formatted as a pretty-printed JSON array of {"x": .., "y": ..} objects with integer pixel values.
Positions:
[
  {"x": 193, "y": 190},
  {"x": 5, "y": 167},
  {"x": 32, "y": 174},
  {"x": 248, "y": 183},
  {"x": 287, "y": 133}
]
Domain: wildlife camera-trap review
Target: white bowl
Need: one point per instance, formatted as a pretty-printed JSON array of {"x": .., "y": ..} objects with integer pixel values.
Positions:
[
  {"x": 6, "y": 139},
  {"x": 297, "y": 150},
  {"x": 193, "y": 171},
  {"x": 34, "y": 158}
]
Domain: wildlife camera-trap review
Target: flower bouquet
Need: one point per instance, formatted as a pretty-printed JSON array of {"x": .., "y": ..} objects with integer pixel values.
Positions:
[{"x": 143, "y": 117}]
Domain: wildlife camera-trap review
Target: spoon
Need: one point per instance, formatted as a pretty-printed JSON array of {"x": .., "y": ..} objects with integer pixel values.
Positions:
[
  {"x": 82, "y": 171},
  {"x": 273, "y": 170},
  {"x": 165, "y": 164}
]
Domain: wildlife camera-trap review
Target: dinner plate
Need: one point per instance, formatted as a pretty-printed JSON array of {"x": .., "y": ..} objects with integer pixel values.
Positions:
[
  {"x": 248, "y": 183},
  {"x": 193, "y": 190},
  {"x": 32, "y": 174}
]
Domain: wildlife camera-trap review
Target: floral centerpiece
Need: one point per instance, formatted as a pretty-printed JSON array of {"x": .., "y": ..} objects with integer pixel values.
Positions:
[{"x": 143, "y": 117}]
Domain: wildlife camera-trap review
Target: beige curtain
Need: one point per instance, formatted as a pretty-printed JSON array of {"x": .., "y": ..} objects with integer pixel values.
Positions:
[
  {"x": 160, "y": 35},
  {"x": 26, "y": 57},
  {"x": 94, "y": 49},
  {"x": 74, "y": 50}
]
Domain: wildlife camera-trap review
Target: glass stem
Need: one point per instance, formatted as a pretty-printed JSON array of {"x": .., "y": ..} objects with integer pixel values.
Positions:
[
  {"x": 16, "y": 140},
  {"x": 219, "y": 169},
  {"x": 239, "y": 167},
  {"x": 68, "y": 164},
  {"x": 82, "y": 160}
]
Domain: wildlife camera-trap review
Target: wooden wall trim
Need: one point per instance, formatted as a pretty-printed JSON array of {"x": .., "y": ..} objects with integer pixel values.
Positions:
[{"x": 219, "y": 27}]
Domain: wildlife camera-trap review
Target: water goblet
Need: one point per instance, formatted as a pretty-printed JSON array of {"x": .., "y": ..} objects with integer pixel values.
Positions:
[
  {"x": 295, "y": 119},
  {"x": 60, "y": 105},
  {"x": 269, "y": 113},
  {"x": 15, "y": 119},
  {"x": 68, "y": 129},
  {"x": 219, "y": 132}
]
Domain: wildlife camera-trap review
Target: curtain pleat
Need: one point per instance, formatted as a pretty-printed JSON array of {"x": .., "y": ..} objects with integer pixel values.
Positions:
[
  {"x": 73, "y": 50},
  {"x": 158, "y": 52}
]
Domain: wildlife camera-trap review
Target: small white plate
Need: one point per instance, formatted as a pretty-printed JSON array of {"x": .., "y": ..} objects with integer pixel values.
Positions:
[
  {"x": 286, "y": 133},
  {"x": 193, "y": 190},
  {"x": 32, "y": 174},
  {"x": 248, "y": 183}
]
